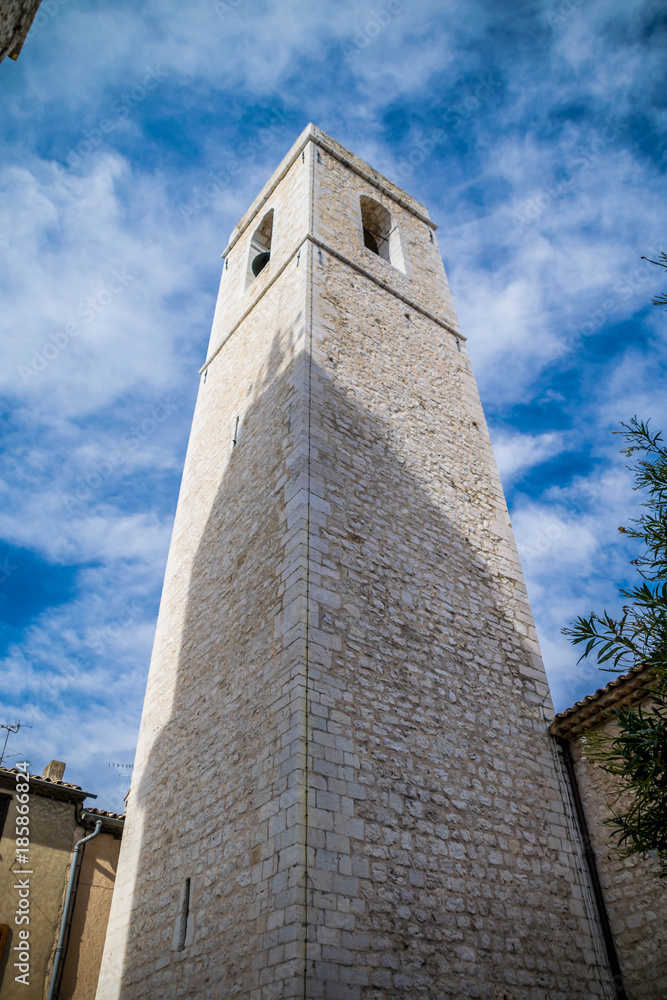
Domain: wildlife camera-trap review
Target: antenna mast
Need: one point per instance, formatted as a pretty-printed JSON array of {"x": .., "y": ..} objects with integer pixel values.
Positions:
[{"x": 13, "y": 728}]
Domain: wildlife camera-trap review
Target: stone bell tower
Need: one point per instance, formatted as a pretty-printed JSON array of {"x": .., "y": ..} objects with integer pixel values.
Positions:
[{"x": 344, "y": 786}]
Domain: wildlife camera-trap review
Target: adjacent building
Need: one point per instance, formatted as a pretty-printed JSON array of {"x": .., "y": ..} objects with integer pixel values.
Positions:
[
  {"x": 33, "y": 882},
  {"x": 633, "y": 897}
]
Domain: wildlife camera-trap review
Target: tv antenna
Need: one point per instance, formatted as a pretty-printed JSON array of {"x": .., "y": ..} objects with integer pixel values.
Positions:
[
  {"x": 11, "y": 728},
  {"x": 125, "y": 773}
]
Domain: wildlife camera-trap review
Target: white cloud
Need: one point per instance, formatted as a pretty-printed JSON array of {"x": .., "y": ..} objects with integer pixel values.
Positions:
[
  {"x": 541, "y": 263},
  {"x": 516, "y": 453},
  {"x": 78, "y": 676},
  {"x": 91, "y": 278},
  {"x": 574, "y": 561},
  {"x": 559, "y": 277}
]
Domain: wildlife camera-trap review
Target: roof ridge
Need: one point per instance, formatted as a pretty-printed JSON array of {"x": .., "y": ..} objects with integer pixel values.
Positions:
[
  {"x": 39, "y": 777},
  {"x": 628, "y": 689}
]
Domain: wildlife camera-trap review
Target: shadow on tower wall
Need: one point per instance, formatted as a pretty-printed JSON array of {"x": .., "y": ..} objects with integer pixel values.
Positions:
[{"x": 422, "y": 736}]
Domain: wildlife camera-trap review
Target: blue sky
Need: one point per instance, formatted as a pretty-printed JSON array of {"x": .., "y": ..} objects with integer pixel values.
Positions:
[{"x": 134, "y": 137}]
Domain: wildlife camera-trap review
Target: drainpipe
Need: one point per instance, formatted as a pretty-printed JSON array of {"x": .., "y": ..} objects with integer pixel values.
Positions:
[
  {"x": 589, "y": 855},
  {"x": 68, "y": 898}
]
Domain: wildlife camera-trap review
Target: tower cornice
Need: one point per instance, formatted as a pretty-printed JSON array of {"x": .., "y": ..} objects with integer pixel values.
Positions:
[
  {"x": 452, "y": 330},
  {"x": 354, "y": 163}
]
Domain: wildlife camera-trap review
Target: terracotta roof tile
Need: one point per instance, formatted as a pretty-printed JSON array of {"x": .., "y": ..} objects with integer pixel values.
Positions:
[
  {"x": 47, "y": 786},
  {"x": 628, "y": 689},
  {"x": 104, "y": 812},
  {"x": 38, "y": 777}
]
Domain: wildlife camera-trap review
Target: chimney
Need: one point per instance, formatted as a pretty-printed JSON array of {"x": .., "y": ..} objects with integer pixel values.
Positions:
[{"x": 54, "y": 770}]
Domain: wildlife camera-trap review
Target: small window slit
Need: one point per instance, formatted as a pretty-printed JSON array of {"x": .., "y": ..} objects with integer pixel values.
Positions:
[{"x": 183, "y": 918}]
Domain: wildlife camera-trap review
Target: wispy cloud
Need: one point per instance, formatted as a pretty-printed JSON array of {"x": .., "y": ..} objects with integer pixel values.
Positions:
[
  {"x": 535, "y": 137},
  {"x": 517, "y": 452}
]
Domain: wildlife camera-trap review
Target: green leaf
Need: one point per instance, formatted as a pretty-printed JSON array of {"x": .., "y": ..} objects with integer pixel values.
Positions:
[{"x": 636, "y": 752}]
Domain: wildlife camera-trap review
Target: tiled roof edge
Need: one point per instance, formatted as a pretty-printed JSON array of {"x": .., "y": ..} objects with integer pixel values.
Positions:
[
  {"x": 45, "y": 785},
  {"x": 628, "y": 689},
  {"x": 105, "y": 814}
]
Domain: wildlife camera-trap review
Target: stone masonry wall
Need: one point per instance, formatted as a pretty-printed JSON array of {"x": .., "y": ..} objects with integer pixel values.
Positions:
[
  {"x": 215, "y": 794},
  {"x": 17, "y": 17},
  {"x": 343, "y": 746},
  {"x": 290, "y": 202},
  {"x": 337, "y": 220},
  {"x": 439, "y": 861},
  {"x": 635, "y": 897},
  {"x": 53, "y": 833}
]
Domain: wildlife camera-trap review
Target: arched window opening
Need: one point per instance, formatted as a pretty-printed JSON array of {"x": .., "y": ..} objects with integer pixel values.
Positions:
[
  {"x": 376, "y": 225},
  {"x": 260, "y": 248}
]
